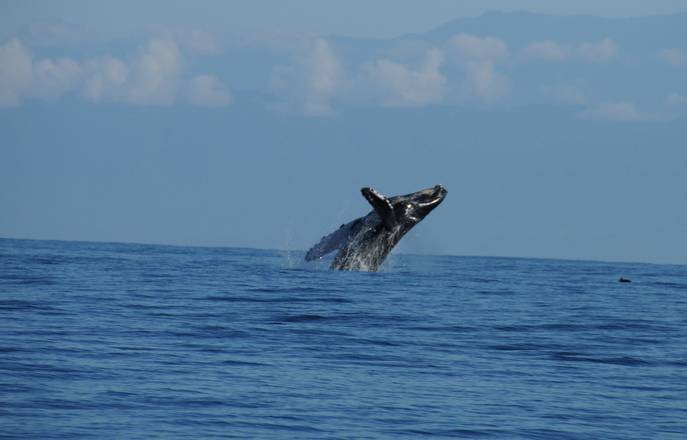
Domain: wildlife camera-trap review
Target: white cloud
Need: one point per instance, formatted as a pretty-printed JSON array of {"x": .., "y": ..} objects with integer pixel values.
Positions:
[
  {"x": 487, "y": 83},
  {"x": 676, "y": 57},
  {"x": 403, "y": 86},
  {"x": 155, "y": 74},
  {"x": 208, "y": 91},
  {"x": 150, "y": 78},
  {"x": 53, "y": 78},
  {"x": 600, "y": 51},
  {"x": 153, "y": 77},
  {"x": 21, "y": 76},
  {"x": 478, "y": 57},
  {"x": 309, "y": 84},
  {"x": 16, "y": 72},
  {"x": 107, "y": 79},
  {"x": 473, "y": 48},
  {"x": 324, "y": 75},
  {"x": 621, "y": 111},
  {"x": 547, "y": 50}
]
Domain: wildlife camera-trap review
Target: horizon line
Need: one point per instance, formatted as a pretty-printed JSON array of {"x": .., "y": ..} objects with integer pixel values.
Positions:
[{"x": 511, "y": 257}]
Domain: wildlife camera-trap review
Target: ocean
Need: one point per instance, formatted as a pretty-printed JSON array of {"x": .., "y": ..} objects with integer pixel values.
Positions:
[{"x": 128, "y": 341}]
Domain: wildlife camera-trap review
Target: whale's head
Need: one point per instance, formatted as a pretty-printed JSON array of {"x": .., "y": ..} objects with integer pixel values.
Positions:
[{"x": 412, "y": 208}]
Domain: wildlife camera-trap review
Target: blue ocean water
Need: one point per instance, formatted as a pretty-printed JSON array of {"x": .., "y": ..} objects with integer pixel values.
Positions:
[{"x": 101, "y": 340}]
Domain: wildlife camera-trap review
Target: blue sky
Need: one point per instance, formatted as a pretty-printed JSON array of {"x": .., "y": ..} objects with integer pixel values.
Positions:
[{"x": 255, "y": 124}]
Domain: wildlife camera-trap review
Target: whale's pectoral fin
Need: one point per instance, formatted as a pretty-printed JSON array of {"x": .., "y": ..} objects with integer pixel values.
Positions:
[
  {"x": 381, "y": 205},
  {"x": 331, "y": 242}
]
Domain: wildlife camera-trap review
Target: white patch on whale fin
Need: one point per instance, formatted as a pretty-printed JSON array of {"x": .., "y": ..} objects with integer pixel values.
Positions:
[
  {"x": 331, "y": 242},
  {"x": 381, "y": 205}
]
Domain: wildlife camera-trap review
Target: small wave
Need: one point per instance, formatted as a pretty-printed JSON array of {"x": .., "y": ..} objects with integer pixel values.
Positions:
[
  {"x": 294, "y": 289},
  {"x": 303, "y": 318},
  {"x": 443, "y": 328},
  {"x": 317, "y": 331},
  {"x": 277, "y": 427},
  {"x": 520, "y": 347},
  {"x": 16, "y": 388},
  {"x": 377, "y": 342},
  {"x": 286, "y": 300},
  {"x": 22, "y": 305},
  {"x": 220, "y": 332},
  {"x": 382, "y": 360},
  {"x": 237, "y": 363},
  {"x": 524, "y": 328},
  {"x": 47, "y": 260},
  {"x": 25, "y": 280},
  {"x": 612, "y": 325},
  {"x": 453, "y": 433},
  {"x": 58, "y": 404},
  {"x": 580, "y": 357},
  {"x": 669, "y": 284}
]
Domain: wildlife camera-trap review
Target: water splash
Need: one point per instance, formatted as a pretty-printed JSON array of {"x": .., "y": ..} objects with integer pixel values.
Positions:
[{"x": 366, "y": 253}]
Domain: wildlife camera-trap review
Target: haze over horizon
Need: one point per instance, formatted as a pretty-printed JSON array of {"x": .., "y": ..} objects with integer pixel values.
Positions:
[
  {"x": 354, "y": 18},
  {"x": 558, "y": 133}
]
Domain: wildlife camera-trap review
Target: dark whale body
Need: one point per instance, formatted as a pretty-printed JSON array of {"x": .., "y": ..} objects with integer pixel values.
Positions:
[{"x": 364, "y": 243}]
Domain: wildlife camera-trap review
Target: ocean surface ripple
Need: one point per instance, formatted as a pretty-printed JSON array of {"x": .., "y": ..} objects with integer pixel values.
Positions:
[{"x": 102, "y": 340}]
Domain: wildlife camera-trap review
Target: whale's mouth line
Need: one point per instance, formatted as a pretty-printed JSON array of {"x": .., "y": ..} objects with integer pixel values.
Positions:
[
  {"x": 437, "y": 196},
  {"x": 428, "y": 204}
]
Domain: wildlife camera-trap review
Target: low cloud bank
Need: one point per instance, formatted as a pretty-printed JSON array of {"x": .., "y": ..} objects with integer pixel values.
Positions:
[{"x": 153, "y": 77}]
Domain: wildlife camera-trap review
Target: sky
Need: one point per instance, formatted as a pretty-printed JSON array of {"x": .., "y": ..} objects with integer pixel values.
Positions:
[{"x": 557, "y": 127}]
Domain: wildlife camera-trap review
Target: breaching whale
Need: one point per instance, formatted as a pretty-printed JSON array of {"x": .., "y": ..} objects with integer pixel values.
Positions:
[{"x": 364, "y": 243}]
